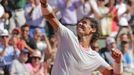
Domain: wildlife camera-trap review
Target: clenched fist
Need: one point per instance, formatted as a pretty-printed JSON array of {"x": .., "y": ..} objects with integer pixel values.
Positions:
[{"x": 117, "y": 55}]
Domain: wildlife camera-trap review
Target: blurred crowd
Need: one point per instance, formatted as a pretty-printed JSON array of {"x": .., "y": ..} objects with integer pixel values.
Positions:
[{"x": 28, "y": 44}]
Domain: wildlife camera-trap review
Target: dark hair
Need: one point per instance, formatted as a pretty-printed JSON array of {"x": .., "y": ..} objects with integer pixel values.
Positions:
[
  {"x": 94, "y": 24},
  {"x": 129, "y": 3},
  {"x": 109, "y": 3},
  {"x": 123, "y": 43},
  {"x": 25, "y": 25}
]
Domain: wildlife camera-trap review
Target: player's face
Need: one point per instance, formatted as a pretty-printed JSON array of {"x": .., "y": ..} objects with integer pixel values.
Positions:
[{"x": 84, "y": 28}]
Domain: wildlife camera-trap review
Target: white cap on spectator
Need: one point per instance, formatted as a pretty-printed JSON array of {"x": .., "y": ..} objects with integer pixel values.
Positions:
[
  {"x": 110, "y": 40},
  {"x": 36, "y": 53},
  {"x": 106, "y": 1},
  {"x": 4, "y": 33},
  {"x": 1, "y": 10}
]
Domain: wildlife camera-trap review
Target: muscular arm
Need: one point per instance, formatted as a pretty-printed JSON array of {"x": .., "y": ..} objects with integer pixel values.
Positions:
[
  {"x": 2, "y": 53},
  {"x": 109, "y": 72},
  {"x": 116, "y": 69},
  {"x": 49, "y": 14}
]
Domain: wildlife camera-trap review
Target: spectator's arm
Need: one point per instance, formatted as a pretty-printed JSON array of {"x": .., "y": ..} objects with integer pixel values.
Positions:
[
  {"x": 46, "y": 68},
  {"x": 15, "y": 52},
  {"x": 95, "y": 9},
  {"x": 131, "y": 35},
  {"x": 49, "y": 49},
  {"x": 29, "y": 48},
  {"x": 2, "y": 53}
]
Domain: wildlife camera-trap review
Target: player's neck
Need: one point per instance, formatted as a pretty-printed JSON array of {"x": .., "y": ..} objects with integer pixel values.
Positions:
[{"x": 85, "y": 42}]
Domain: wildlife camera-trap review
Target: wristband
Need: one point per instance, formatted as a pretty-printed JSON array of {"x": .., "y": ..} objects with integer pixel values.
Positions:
[{"x": 47, "y": 10}]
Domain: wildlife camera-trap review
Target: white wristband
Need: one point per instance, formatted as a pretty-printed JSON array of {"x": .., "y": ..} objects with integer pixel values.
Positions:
[{"x": 48, "y": 10}]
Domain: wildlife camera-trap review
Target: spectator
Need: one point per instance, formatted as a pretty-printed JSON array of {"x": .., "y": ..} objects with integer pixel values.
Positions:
[
  {"x": 68, "y": 12},
  {"x": 113, "y": 12},
  {"x": 16, "y": 7},
  {"x": 127, "y": 38},
  {"x": 131, "y": 22},
  {"x": 36, "y": 67},
  {"x": 1, "y": 15},
  {"x": 54, "y": 45},
  {"x": 95, "y": 46},
  {"x": 3, "y": 18},
  {"x": 88, "y": 8},
  {"x": 7, "y": 52},
  {"x": 42, "y": 43},
  {"x": 30, "y": 43},
  {"x": 106, "y": 20},
  {"x": 34, "y": 17},
  {"x": 123, "y": 14},
  {"x": 14, "y": 38},
  {"x": 18, "y": 66},
  {"x": 127, "y": 59},
  {"x": 106, "y": 51},
  {"x": 124, "y": 37},
  {"x": 84, "y": 10},
  {"x": 17, "y": 40}
]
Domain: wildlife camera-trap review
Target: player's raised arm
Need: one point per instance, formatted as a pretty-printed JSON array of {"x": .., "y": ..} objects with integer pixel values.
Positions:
[{"x": 49, "y": 14}]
